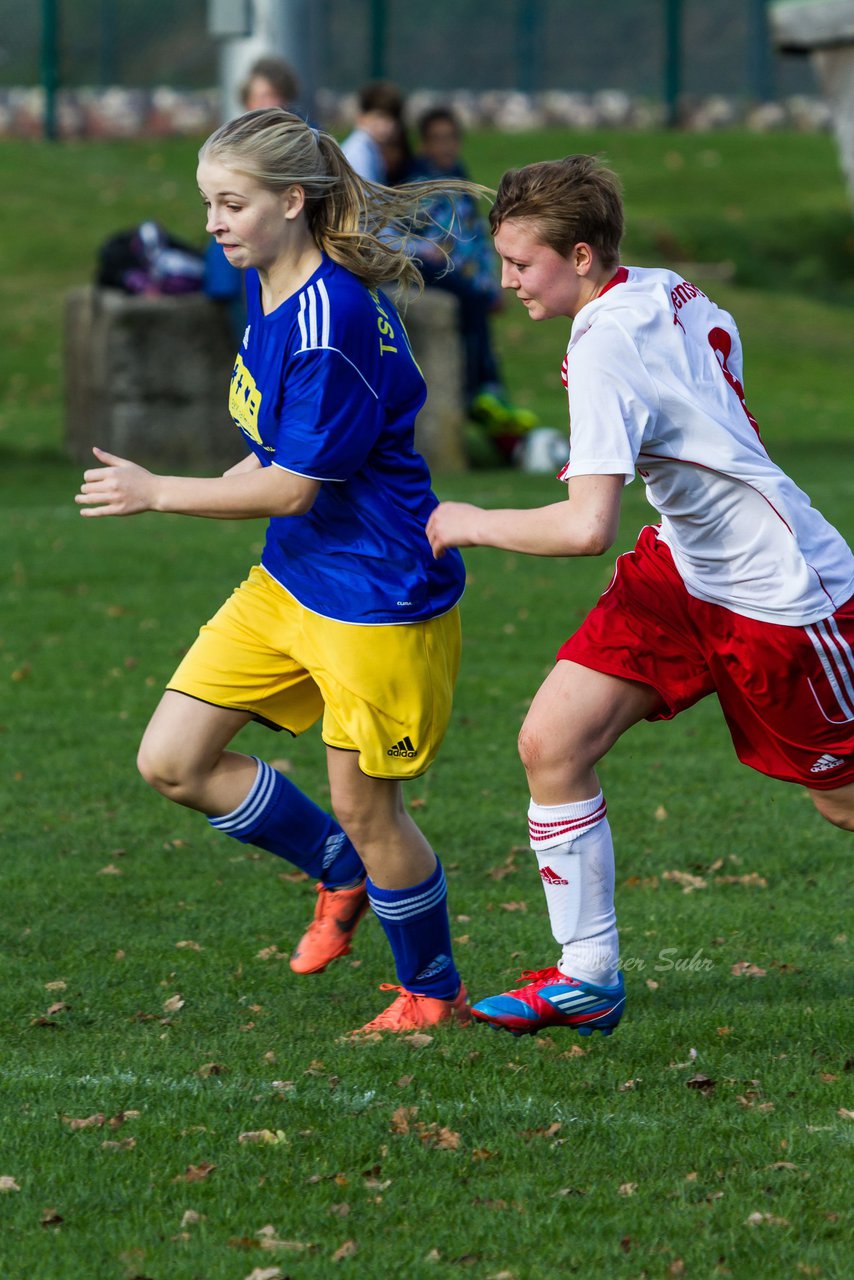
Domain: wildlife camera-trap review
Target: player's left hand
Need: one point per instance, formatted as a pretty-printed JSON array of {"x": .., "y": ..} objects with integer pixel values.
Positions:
[
  {"x": 451, "y": 525},
  {"x": 119, "y": 488}
]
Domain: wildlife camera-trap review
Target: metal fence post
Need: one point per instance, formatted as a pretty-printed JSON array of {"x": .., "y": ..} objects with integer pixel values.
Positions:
[
  {"x": 50, "y": 65},
  {"x": 528, "y": 26},
  {"x": 379, "y": 24},
  {"x": 760, "y": 63},
  {"x": 672, "y": 61}
]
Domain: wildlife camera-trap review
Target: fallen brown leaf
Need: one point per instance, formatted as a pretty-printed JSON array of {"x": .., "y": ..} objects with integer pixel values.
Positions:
[
  {"x": 627, "y": 1188},
  {"x": 8, "y": 1183},
  {"x": 744, "y": 969},
  {"x": 195, "y": 1172},
  {"x": 347, "y": 1250},
  {"x": 687, "y": 881},
  {"x": 121, "y": 1117},
  {"x": 438, "y": 1136},
  {"x": 88, "y": 1122},
  {"x": 751, "y": 881},
  {"x": 401, "y": 1117},
  {"x": 701, "y": 1082},
  {"x": 548, "y": 1132},
  {"x": 419, "y": 1039},
  {"x": 263, "y": 1136},
  {"x": 174, "y": 1003}
]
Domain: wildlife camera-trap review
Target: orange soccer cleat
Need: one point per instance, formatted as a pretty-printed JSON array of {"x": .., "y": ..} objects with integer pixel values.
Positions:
[
  {"x": 337, "y": 912},
  {"x": 411, "y": 1012}
]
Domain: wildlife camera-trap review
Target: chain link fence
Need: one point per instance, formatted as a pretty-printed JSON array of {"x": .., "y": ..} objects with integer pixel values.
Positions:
[{"x": 528, "y": 46}]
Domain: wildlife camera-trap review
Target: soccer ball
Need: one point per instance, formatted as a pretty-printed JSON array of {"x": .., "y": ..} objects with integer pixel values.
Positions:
[{"x": 542, "y": 451}]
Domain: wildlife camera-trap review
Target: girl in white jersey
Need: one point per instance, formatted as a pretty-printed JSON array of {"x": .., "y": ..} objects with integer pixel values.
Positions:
[
  {"x": 742, "y": 590},
  {"x": 346, "y": 618}
]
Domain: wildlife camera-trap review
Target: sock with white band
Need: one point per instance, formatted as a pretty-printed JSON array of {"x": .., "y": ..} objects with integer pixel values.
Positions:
[
  {"x": 575, "y": 854},
  {"x": 415, "y": 921},
  {"x": 278, "y": 817}
]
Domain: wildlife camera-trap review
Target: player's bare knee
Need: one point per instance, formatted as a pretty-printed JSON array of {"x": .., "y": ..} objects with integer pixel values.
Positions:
[
  {"x": 162, "y": 769},
  {"x": 354, "y": 819},
  {"x": 532, "y": 749},
  {"x": 837, "y": 809}
]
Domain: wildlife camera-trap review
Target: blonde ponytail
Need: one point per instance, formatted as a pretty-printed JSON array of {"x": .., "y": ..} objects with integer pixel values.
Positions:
[{"x": 364, "y": 226}]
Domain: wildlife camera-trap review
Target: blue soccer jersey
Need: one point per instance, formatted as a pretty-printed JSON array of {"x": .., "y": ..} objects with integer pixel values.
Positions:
[{"x": 326, "y": 386}]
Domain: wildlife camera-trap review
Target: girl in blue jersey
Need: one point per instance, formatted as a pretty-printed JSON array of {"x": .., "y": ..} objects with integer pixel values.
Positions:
[{"x": 348, "y": 617}]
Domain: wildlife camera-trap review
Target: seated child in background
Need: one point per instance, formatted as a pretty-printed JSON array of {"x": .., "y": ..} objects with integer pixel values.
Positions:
[
  {"x": 458, "y": 230},
  {"x": 380, "y": 116}
]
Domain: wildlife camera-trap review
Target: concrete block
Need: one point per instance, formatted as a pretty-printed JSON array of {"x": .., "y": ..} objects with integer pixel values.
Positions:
[
  {"x": 431, "y": 322},
  {"x": 147, "y": 378}
]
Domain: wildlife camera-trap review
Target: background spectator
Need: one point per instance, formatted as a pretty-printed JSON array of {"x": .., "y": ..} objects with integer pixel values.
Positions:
[
  {"x": 271, "y": 82},
  {"x": 380, "y": 110},
  {"x": 456, "y": 254}
]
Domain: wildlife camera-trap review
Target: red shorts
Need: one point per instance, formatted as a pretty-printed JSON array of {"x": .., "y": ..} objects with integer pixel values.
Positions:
[{"x": 787, "y": 692}]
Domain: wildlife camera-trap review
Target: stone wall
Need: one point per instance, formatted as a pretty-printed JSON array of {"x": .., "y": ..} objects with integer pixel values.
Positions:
[{"x": 147, "y": 378}]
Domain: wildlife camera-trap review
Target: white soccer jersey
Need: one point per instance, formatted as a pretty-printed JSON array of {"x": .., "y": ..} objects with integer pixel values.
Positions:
[{"x": 654, "y": 374}]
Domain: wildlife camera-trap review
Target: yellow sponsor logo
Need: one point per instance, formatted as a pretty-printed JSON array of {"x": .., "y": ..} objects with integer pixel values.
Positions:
[{"x": 244, "y": 401}]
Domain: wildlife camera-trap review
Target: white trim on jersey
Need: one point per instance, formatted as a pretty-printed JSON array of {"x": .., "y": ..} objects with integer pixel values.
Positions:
[
  {"x": 313, "y": 301},
  {"x": 837, "y": 660},
  {"x": 326, "y": 311},
  {"x": 305, "y": 475}
]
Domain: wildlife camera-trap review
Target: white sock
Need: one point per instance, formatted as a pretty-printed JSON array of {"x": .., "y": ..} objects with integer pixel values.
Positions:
[{"x": 575, "y": 854}]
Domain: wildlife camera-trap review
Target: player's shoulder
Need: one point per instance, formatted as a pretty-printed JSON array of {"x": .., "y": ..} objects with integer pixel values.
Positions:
[{"x": 334, "y": 309}]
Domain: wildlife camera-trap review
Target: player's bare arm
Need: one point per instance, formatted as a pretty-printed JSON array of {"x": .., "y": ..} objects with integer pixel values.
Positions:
[
  {"x": 122, "y": 488},
  {"x": 250, "y": 463},
  {"x": 586, "y": 525}
]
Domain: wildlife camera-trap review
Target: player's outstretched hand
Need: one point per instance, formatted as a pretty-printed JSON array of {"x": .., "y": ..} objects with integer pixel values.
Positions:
[
  {"x": 118, "y": 488},
  {"x": 451, "y": 525}
]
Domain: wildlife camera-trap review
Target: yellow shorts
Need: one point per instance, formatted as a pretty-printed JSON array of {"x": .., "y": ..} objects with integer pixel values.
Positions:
[{"x": 383, "y": 691}]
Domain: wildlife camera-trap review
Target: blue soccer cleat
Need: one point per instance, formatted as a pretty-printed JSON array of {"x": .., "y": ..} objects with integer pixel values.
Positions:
[{"x": 551, "y": 999}]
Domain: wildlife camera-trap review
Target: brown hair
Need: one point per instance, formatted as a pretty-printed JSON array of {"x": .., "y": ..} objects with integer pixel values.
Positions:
[
  {"x": 279, "y": 74},
  {"x": 362, "y": 225},
  {"x": 571, "y": 201},
  {"x": 382, "y": 95}
]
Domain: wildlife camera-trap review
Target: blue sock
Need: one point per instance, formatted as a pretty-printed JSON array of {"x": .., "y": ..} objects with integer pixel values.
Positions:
[
  {"x": 276, "y": 816},
  {"x": 419, "y": 933}
]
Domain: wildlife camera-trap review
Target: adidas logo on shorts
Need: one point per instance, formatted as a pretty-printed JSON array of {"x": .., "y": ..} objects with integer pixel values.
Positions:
[
  {"x": 823, "y": 763},
  {"x": 403, "y": 748}
]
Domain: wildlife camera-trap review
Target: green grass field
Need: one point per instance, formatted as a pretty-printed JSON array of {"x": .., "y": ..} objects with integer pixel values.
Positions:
[{"x": 177, "y": 1104}]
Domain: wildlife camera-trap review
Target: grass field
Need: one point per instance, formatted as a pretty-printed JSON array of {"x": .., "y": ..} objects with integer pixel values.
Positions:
[{"x": 177, "y": 1104}]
